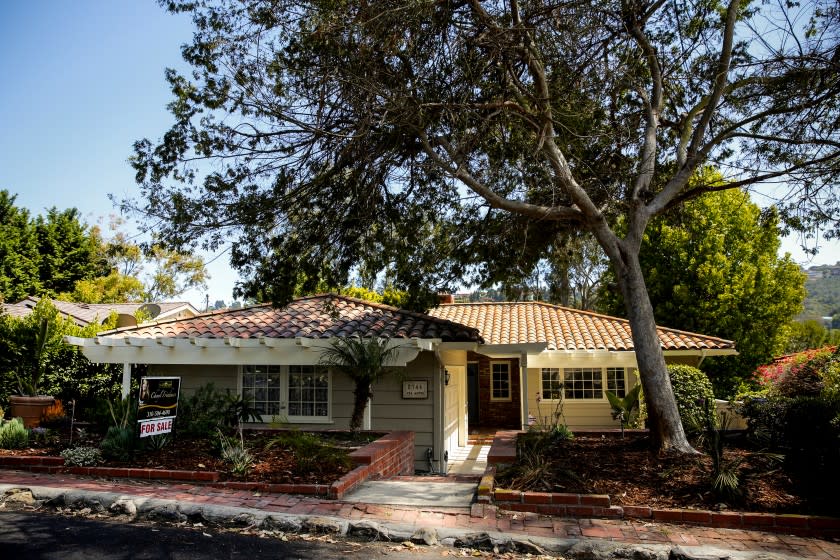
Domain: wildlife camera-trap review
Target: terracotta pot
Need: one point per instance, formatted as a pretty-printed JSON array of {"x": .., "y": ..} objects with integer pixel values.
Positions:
[{"x": 30, "y": 409}]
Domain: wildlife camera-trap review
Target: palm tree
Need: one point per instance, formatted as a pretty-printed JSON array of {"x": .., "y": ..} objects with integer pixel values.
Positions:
[{"x": 363, "y": 360}]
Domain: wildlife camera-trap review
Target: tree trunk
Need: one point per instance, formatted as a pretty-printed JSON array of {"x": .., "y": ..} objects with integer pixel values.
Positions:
[
  {"x": 666, "y": 429},
  {"x": 361, "y": 395}
]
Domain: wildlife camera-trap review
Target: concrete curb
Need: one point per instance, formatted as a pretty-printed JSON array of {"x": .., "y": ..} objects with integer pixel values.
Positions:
[{"x": 131, "y": 507}]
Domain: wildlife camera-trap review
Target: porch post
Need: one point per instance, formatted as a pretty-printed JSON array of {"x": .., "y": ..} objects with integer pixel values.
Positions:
[
  {"x": 523, "y": 388},
  {"x": 126, "y": 380},
  {"x": 366, "y": 417}
]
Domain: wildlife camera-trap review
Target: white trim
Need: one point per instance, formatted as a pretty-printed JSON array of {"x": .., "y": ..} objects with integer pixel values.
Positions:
[
  {"x": 509, "y": 398},
  {"x": 285, "y": 375}
]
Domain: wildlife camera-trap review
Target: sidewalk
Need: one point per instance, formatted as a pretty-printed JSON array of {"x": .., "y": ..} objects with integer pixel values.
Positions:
[{"x": 453, "y": 521}]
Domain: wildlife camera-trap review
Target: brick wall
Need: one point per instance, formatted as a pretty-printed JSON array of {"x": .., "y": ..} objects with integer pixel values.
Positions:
[
  {"x": 497, "y": 414},
  {"x": 388, "y": 456}
]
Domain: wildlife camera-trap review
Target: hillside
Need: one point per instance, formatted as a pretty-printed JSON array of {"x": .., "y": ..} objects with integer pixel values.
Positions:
[{"x": 823, "y": 286}]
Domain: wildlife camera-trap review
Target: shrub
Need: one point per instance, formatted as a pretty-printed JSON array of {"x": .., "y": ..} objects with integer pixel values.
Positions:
[
  {"x": 236, "y": 454},
  {"x": 695, "y": 396},
  {"x": 203, "y": 412},
  {"x": 13, "y": 435},
  {"x": 312, "y": 455},
  {"x": 82, "y": 457},
  {"x": 119, "y": 444}
]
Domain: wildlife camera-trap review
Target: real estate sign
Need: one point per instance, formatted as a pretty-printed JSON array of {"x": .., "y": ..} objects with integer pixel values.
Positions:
[{"x": 158, "y": 404}]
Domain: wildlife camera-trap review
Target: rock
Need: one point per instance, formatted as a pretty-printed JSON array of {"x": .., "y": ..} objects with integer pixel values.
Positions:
[
  {"x": 325, "y": 526},
  {"x": 479, "y": 541},
  {"x": 369, "y": 530},
  {"x": 280, "y": 523},
  {"x": 527, "y": 547},
  {"x": 605, "y": 550},
  {"x": 243, "y": 520},
  {"x": 124, "y": 506},
  {"x": 168, "y": 512},
  {"x": 425, "y": 535},
  {"x": 20, "y": 497}
]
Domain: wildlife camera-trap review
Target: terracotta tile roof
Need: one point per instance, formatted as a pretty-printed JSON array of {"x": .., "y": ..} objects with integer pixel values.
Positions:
[
  {"x": 86, "y": 313},
  {"x": 321, "y": 316},
  {"x": 562, "y": 328}
]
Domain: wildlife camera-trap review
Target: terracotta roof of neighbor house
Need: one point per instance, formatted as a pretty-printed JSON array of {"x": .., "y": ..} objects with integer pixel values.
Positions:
[
  {"x": 321, "y": 316},
  {"x": 562, "y": 328},
  {"x": 86, "y": 313}
]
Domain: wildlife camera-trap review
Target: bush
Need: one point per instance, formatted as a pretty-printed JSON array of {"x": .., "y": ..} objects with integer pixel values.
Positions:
[
  {"x": 13, "y": 435},
  {"x": 695, "y": 397},
  {"x": 312, "y": 455},
  {"x": 201, "y": 414},
  {"x": 119, "y": 444},
  {"x": 82, "y": 457}
]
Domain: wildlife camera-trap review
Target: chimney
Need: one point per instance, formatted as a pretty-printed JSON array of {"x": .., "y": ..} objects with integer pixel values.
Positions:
[{"x": 445, "y": 299}]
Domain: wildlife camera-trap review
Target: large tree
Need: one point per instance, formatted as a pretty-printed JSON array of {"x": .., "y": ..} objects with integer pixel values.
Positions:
[
  {"x": 448, "y": 138},
  {"x": 713, "y": 267},
  {"x": 18, "y": 251}
]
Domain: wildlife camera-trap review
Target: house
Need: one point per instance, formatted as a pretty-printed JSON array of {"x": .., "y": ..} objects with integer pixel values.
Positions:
[
  {"x": 84, "y": 314},
  {"x": 462, "y": 364}
]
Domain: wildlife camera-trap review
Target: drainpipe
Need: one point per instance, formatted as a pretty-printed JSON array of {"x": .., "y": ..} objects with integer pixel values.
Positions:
[{"x": 523, "y": 388}]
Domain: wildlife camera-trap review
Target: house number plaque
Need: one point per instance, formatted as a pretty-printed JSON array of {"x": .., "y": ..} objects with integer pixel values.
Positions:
[{"x": 417, "y": 389}]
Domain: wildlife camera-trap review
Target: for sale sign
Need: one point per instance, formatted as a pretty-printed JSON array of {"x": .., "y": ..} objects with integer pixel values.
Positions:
[{"x": 158, "y": 404}]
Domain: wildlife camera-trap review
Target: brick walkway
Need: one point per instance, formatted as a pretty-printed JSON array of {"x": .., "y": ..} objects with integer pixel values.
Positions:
[{"x": 479, "y": 517}]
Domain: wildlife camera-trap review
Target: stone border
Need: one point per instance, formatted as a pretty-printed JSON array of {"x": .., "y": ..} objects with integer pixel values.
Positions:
[
  {"x": 390, "y": 455},
  {"x": 503, "y": 453}
]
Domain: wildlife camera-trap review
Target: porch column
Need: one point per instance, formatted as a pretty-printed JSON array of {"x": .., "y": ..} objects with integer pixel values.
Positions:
[
  {"x": 366, "y": 417},
  {"x": 126, "y": 380},
  {"x": 523, "y": 388}
]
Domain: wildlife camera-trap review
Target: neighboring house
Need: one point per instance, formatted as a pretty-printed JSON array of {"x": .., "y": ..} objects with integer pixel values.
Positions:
[
  {"x": 84, "y": 314},
  {"x": 462, "y": 364}
]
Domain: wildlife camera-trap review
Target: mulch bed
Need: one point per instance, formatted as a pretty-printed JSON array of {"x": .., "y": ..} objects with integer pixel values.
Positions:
[
  {"x": 631, "y": 475},
  {"x": 273, "y": 465}
]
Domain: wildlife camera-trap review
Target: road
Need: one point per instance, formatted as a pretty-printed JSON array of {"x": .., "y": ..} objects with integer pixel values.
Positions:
[{"x": 36, "y": 536}]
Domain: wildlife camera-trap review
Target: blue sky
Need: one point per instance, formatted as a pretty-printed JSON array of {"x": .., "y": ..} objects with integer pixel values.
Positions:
[{"x": 82, "y": 81}]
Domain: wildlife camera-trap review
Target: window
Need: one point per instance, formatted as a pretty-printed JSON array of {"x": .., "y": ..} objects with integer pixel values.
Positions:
[
  {"x": 500, "y": 381},
  {"x": 615, "y": 381},
  {"x": 552, "y": 386},
  {"x": 261, "y": 385},
  {"x": 309, "y": 391},
  {"x": 583, "y": 383},
  {"x": 297, "y": 393}
]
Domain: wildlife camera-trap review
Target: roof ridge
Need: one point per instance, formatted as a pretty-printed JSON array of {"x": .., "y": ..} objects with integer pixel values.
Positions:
[{"x": 174, "y": 319}]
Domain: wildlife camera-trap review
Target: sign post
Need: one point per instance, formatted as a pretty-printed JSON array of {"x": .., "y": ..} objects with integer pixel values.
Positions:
[{"x": 158, "y": 405}]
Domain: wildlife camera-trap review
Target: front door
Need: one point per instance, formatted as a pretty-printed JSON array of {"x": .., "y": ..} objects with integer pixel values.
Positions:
[{"x": 472, "y": 393}]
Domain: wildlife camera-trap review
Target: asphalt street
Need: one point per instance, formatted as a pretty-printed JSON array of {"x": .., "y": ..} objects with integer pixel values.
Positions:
[{"x": 42, "y": 536}]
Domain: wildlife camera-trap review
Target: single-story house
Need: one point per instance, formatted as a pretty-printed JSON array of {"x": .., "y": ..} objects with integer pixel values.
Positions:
[
  {"x": 83, "y": 314},
  {"x": 459, "y": 365}
]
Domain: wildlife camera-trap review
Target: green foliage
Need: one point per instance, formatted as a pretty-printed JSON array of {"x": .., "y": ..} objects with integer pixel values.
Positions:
[
  {"x": 123, "y": 412},
  {"x": 157, "y": 442},
  {"x": 119, "y": 443},
  {"x": 312, "y": 454},
  {"x": 809, "y": 334},
  {"x": 18, "y": 251},
  {"x": 823, "y": 298},
  {"x": 622, "y": 408},
  {"x": 13, "y": 435},
  {"x": 713, "y": 268},
  {"x": 365, "y": 362},
  {"x": 694, "y": 394},
  {"x": 81, "y": 456},
  {"x": 69, "y": 251},
  {"x": 206, "y": 410},
  {"x": 65, "y": 373},
  {"x": 235, "y": 453},
  {"x": 806, "y": 429}
]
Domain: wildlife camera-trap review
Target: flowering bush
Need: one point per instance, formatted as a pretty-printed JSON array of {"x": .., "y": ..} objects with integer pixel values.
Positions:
[
  {"x": 804, "y": 373},
  {"x": 82, "y": 457}
]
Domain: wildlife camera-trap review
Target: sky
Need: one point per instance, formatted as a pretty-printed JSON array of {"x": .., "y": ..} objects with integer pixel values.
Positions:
[{"x": 81, "y": 82}]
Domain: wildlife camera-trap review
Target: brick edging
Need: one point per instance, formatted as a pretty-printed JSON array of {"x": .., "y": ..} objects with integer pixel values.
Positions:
[
  {"x": 390, "y": 455},
  {"x": 599, "y": 505}
]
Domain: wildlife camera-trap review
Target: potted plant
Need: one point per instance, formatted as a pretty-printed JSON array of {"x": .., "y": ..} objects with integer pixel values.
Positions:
[{"x": 30, "y": 404}]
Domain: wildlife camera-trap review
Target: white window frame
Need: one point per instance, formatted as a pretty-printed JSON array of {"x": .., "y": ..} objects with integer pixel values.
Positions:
[
  {"x": 509, "y": 397},
  {"x": 623, "y": 378},
  {"x": 560, "y": 387},
  {"x": 604, "y": 383},
  {"x": 284, "y": 397}
]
